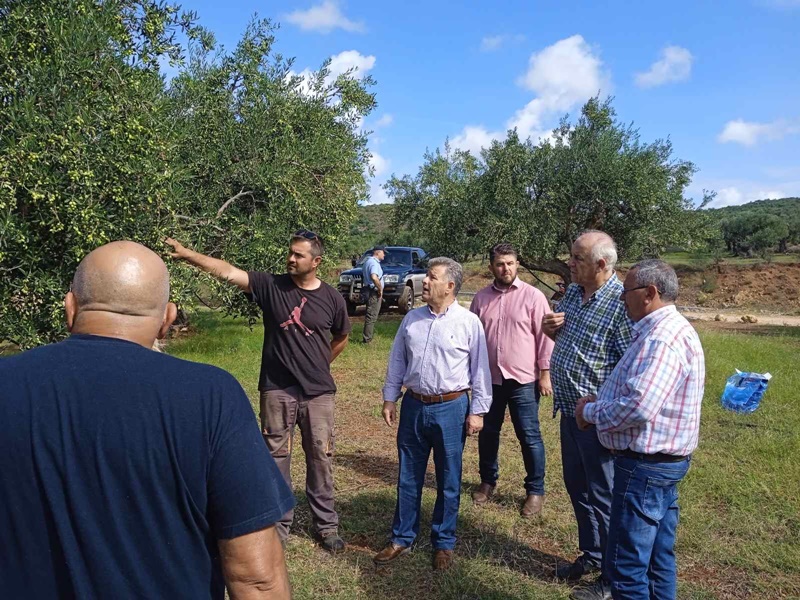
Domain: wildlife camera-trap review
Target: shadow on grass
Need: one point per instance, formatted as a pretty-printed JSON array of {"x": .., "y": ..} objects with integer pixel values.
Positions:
[
  {"x": 481, "y": 553},
  {"x": 481, "y": 549}
]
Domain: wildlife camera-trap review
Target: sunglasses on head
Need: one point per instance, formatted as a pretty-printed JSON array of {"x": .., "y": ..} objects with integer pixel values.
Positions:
[{"x": 305, "y": 233}]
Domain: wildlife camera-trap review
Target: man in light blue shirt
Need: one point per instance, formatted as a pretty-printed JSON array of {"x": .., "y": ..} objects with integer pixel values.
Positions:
[
  {"x": 373, "y": 288},
  {"x": 438, "y": 355}
]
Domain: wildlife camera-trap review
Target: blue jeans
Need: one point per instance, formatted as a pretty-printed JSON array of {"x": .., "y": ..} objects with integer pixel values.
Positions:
[
  {"x": 640, "y": 556},
  {"x": 523, "y": 404},
  {"x": 425, "y": 427},
  {"x": 589, "y": 478}
]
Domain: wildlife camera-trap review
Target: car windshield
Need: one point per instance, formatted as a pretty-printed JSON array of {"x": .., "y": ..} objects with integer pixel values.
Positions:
[{"x": 393, "y": 257}]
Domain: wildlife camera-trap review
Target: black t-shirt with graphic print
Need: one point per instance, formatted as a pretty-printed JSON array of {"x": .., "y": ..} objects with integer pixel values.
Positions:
[{"x": 298, "y": 324}]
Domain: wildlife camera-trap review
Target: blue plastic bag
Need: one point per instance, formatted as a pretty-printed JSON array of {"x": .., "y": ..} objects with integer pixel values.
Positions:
[{"x": 743, "y": 391}]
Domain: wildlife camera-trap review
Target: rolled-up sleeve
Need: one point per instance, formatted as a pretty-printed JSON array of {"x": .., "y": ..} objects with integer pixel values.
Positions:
[
  {"x": 398, "y": 363},
  {"x": 480, "y": 375}
]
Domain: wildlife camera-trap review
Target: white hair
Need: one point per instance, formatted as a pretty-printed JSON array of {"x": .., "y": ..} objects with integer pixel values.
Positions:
[{"x": 603, "y": 248}]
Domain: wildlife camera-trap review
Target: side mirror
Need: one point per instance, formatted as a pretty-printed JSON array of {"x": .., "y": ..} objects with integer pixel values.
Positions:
[{"x": 353, "y": 261}]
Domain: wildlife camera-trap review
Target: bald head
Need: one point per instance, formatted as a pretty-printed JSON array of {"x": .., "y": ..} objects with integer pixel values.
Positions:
[{"x": 122, "y": 278}]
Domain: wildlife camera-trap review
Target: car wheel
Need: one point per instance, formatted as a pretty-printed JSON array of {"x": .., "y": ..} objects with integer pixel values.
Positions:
[
  {"x": 351, "y": 308},
  {"x": 406, "y": 301}
]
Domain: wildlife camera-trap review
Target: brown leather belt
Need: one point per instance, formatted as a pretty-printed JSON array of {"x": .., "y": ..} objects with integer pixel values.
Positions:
[
  {"x": 657, "y": 457},
  {"x": 437, "y": 398}
]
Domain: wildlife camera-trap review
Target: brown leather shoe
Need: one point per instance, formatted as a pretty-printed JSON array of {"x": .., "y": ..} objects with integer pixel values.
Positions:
[
  {"x": 532, "y": 506},
  {"x": 483, "y": 494},
  {"x": 442, "y": 560},
  {"x": 391, "y": 552}
]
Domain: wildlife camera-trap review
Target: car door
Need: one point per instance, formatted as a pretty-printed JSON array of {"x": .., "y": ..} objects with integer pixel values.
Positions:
[{"x": 420, "y": 268}]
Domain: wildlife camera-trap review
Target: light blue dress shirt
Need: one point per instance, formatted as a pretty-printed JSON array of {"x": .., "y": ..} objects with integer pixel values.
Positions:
[
  {"x": 372, "y": 266},
  {"x": 437, "y": 354}
]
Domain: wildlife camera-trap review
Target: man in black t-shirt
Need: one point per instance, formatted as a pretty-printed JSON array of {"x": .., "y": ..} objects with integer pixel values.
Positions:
[
  {"x": 128, "y": 473},
  {"x": 305, "y": 328}
]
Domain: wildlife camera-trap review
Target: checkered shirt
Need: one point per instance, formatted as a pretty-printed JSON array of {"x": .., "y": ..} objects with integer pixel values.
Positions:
[
  {"x": 651, "y": 402},
  {"x": 588, "y": 346}
]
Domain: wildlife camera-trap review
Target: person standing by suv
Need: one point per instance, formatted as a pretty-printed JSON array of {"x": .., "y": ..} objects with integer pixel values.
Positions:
[
  {"x": 373, "y": 288},
  {"x": 519, "y": 355},
  {"x": 305, "y": 328}
]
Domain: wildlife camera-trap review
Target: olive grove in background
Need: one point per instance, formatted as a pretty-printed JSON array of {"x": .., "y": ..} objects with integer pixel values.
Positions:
[
  {"x": 96, "y": 144},
  {"x": 595, "y": 173}
]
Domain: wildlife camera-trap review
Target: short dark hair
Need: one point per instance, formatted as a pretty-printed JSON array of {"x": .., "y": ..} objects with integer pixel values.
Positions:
[
  {"x": 304, "y": 235},
  {"x": 502, "y": 249}
]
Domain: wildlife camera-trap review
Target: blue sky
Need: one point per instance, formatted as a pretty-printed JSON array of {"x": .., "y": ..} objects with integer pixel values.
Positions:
[{"x": 720, "y": 79}]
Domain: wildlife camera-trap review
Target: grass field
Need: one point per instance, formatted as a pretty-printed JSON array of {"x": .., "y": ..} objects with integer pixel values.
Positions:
[{"x": 740, "y": 521}]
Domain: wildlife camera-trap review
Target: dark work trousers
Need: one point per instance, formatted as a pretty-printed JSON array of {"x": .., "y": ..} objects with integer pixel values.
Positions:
[
  {"x": 373, "y": 308},
  {"x": 523, "y": 404},
  {"x": 589, "y": 478},
  {"x": 281, "y": 410}
]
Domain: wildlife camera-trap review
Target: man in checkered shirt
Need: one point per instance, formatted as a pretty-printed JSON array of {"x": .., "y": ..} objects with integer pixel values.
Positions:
[
  {"x": 648, "y": 414},
  {"x": 591, "y": 333}
]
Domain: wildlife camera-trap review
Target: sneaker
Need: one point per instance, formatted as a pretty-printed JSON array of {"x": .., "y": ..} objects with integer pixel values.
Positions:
[
  {"x": 332, "y": 543},
  {"x": 599, "y": 590},
  {"x": 574, "y": 571}
]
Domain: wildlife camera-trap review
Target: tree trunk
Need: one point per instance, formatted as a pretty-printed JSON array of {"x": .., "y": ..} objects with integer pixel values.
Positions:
[{"x": 554, "y": 266}]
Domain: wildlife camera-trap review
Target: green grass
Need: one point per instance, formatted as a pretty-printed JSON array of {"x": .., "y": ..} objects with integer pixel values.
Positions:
[{"x": 740, "y": 523}]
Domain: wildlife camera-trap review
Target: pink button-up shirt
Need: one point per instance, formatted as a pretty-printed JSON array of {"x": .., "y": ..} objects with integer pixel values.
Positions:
[{"x": 512, "y": 320}]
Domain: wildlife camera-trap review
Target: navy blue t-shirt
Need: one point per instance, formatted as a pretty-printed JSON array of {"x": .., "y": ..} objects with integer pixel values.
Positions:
[{"x": 121, "y": 468}]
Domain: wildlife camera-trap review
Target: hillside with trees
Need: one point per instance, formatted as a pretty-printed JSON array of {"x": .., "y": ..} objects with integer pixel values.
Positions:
[{"x": 759, "y": 227}]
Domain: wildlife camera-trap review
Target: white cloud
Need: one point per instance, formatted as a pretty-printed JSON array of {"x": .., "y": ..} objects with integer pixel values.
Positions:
[
  {"x": 378, "y": 195},
  {"x": 744, "y": 191},
  {"x": 749, "y": 133},
  {"x": 351, "y": 59},
  {"x": 385, "y": 120},
  {"x": 324, "y": 18},
  {"x": 562, "y": 75},
  {"x": 494, "y": 42},
  {"x": 472, "y": 138},
  {"x": 379, "y": 164},
  {"x": 339, "y": 64},
  {"x": 674, "y": 65}
]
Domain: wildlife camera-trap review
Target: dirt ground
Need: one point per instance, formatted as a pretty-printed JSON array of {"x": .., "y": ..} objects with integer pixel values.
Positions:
[{"x": 740, "y": 297}]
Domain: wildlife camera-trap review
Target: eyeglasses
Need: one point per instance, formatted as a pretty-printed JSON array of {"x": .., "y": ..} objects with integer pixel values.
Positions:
[
  {"x": 641, "y": 287},
  {"x": 309, "y": 235}
]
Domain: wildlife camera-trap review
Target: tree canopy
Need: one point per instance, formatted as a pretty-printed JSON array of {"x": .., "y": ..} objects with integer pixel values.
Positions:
[
  {"x": 593, "y": 174},
  {"x": 96, "y": 145}
]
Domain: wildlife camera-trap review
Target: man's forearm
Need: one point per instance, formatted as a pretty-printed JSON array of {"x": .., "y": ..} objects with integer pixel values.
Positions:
[
  {"x": 337, "y": 346},
  {"x": 376, "y": 280}
]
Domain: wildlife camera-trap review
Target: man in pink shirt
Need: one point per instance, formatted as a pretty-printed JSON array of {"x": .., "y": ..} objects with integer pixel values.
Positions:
[{"x": 519, "y": 356}]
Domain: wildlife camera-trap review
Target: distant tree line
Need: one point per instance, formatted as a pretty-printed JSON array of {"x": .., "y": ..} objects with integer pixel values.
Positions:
[
  {"x": 760, "y": 227},
  {"x": 229, "y": 156}
]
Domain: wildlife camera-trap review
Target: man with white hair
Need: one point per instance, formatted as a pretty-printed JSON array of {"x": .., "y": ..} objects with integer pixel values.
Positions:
[
  {"x": 591, "y": 333},
  {"x": 438, "y": 355},
  {"x": 647, "y": 414}
]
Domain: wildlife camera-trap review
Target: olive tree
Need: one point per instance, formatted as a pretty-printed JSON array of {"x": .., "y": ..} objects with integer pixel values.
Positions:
[{"x": 85, "y": 155}]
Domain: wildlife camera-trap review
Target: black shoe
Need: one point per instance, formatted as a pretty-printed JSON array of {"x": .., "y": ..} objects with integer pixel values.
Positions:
[
  {"x": 574, "y": 571},
  {"x": 332, "y": 543},
  {"x": 599, "y": 590}
]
